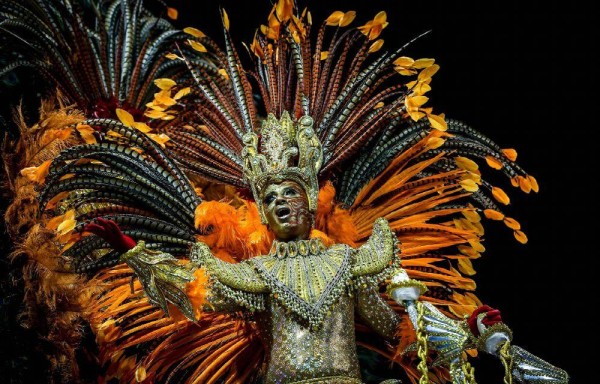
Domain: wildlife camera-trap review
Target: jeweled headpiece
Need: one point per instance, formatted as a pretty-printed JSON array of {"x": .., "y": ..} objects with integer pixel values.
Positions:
[{"x": 287, "y": 150}]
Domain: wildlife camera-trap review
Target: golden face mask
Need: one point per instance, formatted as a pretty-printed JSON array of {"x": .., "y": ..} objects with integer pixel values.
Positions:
[{"x": 286, "y": 210}]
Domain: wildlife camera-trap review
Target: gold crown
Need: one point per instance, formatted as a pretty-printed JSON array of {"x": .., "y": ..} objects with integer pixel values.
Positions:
[{"x": 288, "y": 151}]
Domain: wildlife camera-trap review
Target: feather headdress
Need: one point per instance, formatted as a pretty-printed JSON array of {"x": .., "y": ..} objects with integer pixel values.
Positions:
[{"x": 172, "y": 175}]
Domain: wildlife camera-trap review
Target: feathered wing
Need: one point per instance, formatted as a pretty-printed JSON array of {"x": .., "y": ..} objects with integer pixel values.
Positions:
[
  {"x": 100, "y": 54},
  {"x": 79, "y": 169},
  {"x": 134, "y": 183},
  {"x": 387, "y": 155}
]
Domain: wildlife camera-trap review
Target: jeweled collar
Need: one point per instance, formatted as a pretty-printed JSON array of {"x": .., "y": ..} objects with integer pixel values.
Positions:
[{"x": 297, "y": 248}]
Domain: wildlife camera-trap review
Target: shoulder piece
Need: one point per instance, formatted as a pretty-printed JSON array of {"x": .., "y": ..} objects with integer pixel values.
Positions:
[
  {"x": 236, "y": 281},
  {"x": 308, "y": 285},
  {"x": 379, "y": 256}
]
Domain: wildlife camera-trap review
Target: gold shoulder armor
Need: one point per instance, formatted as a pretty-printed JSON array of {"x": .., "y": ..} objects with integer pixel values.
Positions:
[
  {"x": 379, "y": 256},
  {"x": 238, "y": 276}
]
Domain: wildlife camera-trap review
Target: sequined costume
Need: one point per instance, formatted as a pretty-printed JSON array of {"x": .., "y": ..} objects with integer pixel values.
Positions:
[
  {"x": 175, "y": 141},
  {"x": 305, "y": 295}
]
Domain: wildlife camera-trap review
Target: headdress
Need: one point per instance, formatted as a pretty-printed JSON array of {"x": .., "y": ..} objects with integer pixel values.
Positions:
[{"x": 288, "y": 150}]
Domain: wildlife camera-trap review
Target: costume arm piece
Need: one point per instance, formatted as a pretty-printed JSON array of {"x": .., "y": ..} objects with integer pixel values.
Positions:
[
  {"x": 450, "y": 338},
  {"x": 161, "y": 276},
  {"x": 378, "y": 258},
  {"x": 218, "y": 303},
  {"x": 230, "y": 284},
  {"x": 375, "y": 261},
  {"x": 376, "y": 313},
  {"x": 494, "y": 337}
]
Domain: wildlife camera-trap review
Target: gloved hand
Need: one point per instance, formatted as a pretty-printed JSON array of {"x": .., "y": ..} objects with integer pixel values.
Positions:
[
  {"x": 490, "y": 339},
  {"x": 110, "y": 231},
  {"x": 403, "y": 289},
  {"x": 492, "y": 316}
]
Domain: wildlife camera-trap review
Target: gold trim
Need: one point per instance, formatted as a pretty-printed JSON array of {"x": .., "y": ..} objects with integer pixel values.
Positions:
[
  {"x": 308, "y": 247},
  {"x": 407, "y": 284},
  {"x": 489, "y": 331}
]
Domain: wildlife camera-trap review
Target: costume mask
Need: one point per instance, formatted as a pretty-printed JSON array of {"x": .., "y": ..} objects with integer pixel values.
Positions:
[{"x": 286, "y": 209}]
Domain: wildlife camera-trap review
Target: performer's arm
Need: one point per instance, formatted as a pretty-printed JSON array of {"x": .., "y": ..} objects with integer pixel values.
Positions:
[
  {"x": 376, "y": 313},
  {"x": 375, "y": 262},
  {"x": 162, "y": 277}
]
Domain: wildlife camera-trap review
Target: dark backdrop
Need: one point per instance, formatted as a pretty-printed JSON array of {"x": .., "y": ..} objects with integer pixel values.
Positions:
[{"x": 523, "y": 73}]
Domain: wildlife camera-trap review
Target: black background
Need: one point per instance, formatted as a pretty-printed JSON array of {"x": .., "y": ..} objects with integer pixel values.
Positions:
[{"x": 523, "y": 73}]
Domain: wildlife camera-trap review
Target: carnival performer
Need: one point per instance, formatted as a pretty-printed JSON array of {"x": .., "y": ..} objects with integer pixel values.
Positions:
[{"x": 227, "y": 225}]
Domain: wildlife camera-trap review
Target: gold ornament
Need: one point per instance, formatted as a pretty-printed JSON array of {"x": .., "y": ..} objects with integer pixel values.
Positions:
[{"x": 288, "y": 150}]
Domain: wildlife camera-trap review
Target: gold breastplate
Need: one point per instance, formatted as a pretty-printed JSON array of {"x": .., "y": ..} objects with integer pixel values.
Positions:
[{"x": 308, "y": 279}]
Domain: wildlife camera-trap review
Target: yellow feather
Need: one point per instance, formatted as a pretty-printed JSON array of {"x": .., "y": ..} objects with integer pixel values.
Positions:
[
  {"x": 172, "y": 56},
  {"x": 140, "y": 374},
  {"x": 500, "y": 195},
  {"x": 164, "y": 98},
  {"x": 468, "y": 251},
  {"x": 474, "y": 299},
  {"x": 154, "y": 114},
  {"x": 197, "y": 46},
  {"x": 437, "y": 121},
  {"x": 380, "y": 17},
  {"x": 125, "y": 117},
  {"x": 164, "y": 83},
  {"x": 416, "y": 101},
  {"x": 428, "y": 72},
  {"x": 534, "y": 184},
  {"x": 347, "y": 18},
  {"x": 475, "y": 227},
  {"x": 465, "y": 266},
  {"x": 524, "y": 184},
  {"x": 284, "y": 9},
  {"x": 521, "y": 237},
  {"x": 404, "y": 62},
  {"x": 161, "y": 139},
  {"x": 335, "y": 18},
  {"x": 183, "y": 92},
  {"x": 434, "y": 142},
  {"x": 376, "y": 46},
  {"x": 405, "y": 72},
  {"x": 469, "y": 185},
  {"x": 37, "y": 174},
  {"x": 477, "y": 246},
  {"x": 423, "y": 63},
  {"x": 493, "y": 214},
  {"x": 510, "y": 153},
  {"x": 194, "y": 32},
  {"x": 223, "y": 73},
  {"x": 142, "y": 127},
  {"x": 512, "y": 223},
  {"x": 493, "y": 162},
  {"x": 172, "y": 13},
  {"x": 416, "y": 115},
  {"x": 87, "y": 133},
  {"x": 225, "y": 20},
  {"x": 471, "y": 215},
  {"x": 466, "y": 163}
]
